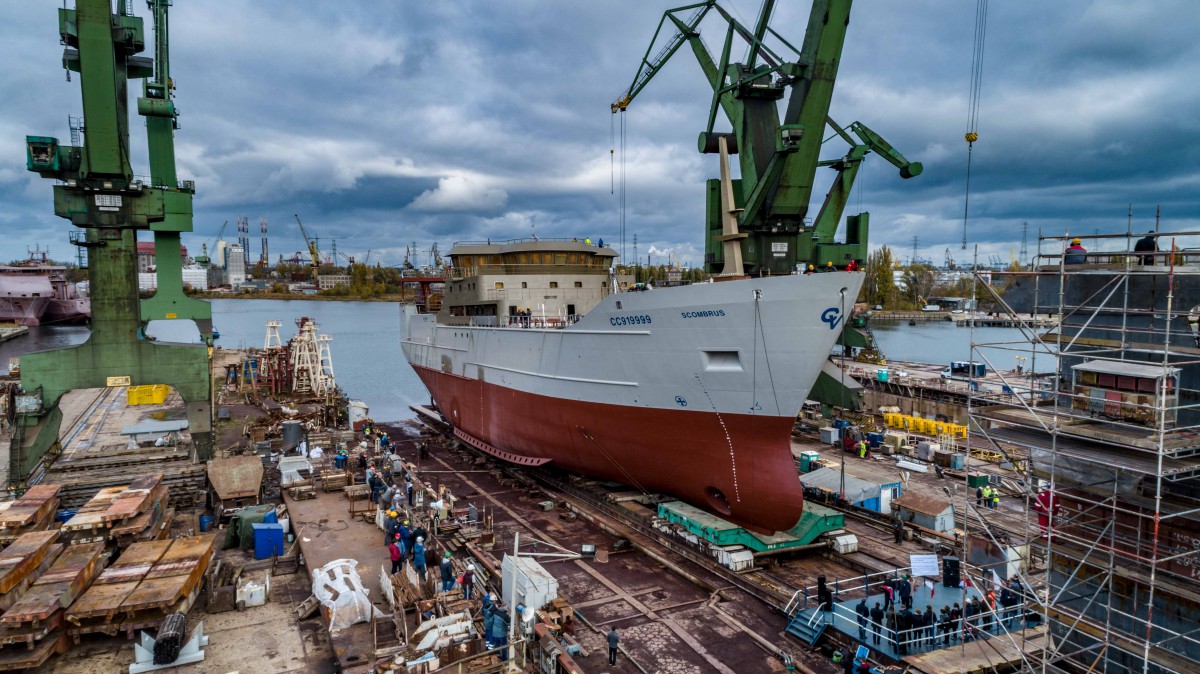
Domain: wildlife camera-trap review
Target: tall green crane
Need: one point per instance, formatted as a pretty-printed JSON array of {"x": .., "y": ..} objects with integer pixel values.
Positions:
[
  {"x": 97, "y": 191},
  {"x": 158, "y": 107},
  {"x": 763, "y": 216}
]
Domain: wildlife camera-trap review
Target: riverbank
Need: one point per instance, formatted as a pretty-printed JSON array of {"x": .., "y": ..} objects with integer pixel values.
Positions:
[{"x": 12, "y": 331}]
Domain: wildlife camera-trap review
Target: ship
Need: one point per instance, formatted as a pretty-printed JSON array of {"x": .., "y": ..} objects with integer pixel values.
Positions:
[
  {"x": 539, "y": 354},
  {"x": 36, "y": 291}
]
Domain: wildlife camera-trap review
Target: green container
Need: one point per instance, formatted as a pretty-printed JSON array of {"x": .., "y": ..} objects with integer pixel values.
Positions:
[{"x": 976, "y": 480}]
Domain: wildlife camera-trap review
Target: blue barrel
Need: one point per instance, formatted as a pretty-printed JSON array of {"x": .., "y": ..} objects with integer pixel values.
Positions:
[
  {"x": 881, "y": 375},
  {"x": 205, "y": 522},
  {"x": 268, "y": 540}
]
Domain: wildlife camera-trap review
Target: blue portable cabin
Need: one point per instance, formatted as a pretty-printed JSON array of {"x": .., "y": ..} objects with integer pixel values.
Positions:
[{"x": 859, "y": 492}]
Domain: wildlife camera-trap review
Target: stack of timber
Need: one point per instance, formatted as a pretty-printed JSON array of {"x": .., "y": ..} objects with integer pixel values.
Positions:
[
  {"x": 32, "y": 512},
  {"x": 124, "y": 514},
  {"x": 22, "y": 562},
  {"x": 39, "y": 613},
  {"x": 80, "y": 478},
  {"x": 149, "y": 581}
]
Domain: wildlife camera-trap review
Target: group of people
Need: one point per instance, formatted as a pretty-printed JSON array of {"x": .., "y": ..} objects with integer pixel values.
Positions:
[
  {"x": 987, "y": 496},
  {"x": 523, "y": 316},
  {"x": 905, "y": 628},
  {"x": 1077, "y": 254},
  {"x": 852, "y": 265}
]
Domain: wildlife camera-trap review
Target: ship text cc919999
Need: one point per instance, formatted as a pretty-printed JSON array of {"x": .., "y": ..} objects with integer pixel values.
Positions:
[{"x": 639, "y": 319}]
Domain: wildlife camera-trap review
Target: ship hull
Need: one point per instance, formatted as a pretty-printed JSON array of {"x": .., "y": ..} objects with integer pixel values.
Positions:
[
  {"x": 23, "y": 311},
  {"x": 690, "y": 391}
]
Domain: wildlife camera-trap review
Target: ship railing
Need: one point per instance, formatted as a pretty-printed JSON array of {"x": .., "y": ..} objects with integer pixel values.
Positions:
[
  {"x": 527, "y": 239},
  {"x": 541, "y": 322},
  {"x": 524, "y": 269}
]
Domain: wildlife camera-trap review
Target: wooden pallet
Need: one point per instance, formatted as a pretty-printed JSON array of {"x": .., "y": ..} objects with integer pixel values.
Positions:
[{"x": 146, "y": 583}]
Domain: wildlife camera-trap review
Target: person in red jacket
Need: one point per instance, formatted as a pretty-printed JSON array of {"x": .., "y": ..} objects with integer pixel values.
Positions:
[{"x": 395, "y": 554}]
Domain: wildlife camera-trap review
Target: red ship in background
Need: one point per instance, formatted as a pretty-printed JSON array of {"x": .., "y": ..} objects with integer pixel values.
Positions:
[{"x": 36, "y": 291}]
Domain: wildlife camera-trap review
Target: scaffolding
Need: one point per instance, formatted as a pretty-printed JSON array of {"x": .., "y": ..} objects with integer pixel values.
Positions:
[{"x": 1100, "y": 423}]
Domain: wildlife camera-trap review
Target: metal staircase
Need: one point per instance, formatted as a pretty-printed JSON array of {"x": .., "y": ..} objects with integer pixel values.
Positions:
[{"x": 806, "y": 628}]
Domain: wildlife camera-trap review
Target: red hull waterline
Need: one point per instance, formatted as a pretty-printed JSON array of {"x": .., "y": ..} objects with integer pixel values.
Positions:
[{"x": 736, "y": 466}]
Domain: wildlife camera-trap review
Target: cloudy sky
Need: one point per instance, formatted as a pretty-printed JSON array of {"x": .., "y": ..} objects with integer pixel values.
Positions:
[{"x": 387, "y": 123}]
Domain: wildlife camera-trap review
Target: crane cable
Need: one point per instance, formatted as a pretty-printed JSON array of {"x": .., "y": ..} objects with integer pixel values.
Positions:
[
  {"x": 972, "y": 134},
  {"x": 612, "y": 141}
]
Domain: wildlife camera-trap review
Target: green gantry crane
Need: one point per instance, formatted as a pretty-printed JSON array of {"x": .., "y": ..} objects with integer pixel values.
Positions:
[
  {"x": 763, "y": 216},
  {"x": 96, "y": 190}
]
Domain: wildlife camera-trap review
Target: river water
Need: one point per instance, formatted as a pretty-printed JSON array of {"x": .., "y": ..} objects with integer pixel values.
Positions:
[
  {"x": 367, "y": 360},
  {"x": 943, "y": 341},
  {"x": 370, "y": 366}
]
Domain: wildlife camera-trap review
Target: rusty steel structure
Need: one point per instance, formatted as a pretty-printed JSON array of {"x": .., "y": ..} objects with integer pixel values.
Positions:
[{"x": 1106, "y": 418}]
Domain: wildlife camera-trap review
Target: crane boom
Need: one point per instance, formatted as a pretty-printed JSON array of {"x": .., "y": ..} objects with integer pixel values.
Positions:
[
  {"x": 778, "y": 154},
  {"x": 312, "y": 248}
]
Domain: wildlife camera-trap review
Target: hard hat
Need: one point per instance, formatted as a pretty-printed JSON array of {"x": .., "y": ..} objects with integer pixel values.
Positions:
[
  {"x": 405, "y": 522},
  {"x": 810, "y": 266},
  {"x": 447, "y": 555},
  {"x": 397, "y": 536},
  {"x": 392, "y": 513},
  {"x": 829, "y": 264},
  {"x": 470, "y": 567},
  {"x": 420, "y": 539},
  {"x": 1076, "y": 240}
]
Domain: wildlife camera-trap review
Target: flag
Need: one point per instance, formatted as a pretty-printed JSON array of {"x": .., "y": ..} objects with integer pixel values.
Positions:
[{"x": 932, "y": 586}]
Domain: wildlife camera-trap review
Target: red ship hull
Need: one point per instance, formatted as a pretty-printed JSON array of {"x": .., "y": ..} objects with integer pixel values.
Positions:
[{"x": 738, "y": 466}]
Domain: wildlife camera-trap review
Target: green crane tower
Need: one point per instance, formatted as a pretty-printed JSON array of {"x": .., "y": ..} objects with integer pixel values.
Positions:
[
  {"x": 759, "y": 223},
  {"x": 96, "y": 190},
  {"x": 766, "y": 210}
]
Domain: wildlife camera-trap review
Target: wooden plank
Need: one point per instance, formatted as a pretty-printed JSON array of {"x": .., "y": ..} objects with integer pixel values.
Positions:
[
  {"x": 59, "y": 586},
  {"x": 977, "y": 657},
  {"x": 21, "y": 658},
  {"x": 9, "y": 598},
  {"x": 23, "y": 556},
  {"x": 100, "y": 600},
  {"x": 175, "y": 575},
  {"x": 32, "y": 504}
]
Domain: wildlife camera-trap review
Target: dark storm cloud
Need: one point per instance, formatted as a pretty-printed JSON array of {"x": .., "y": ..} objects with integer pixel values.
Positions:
[{"x": 384, "y": 124}]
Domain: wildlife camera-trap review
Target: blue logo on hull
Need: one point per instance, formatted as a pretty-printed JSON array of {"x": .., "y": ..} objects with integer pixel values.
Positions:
[{"x": 832, "y": 316}]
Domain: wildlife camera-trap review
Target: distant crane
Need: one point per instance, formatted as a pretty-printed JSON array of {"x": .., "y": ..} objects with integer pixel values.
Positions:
[
  {"x": 312, "y": 249},
  {"x": 204, "y": 259}
]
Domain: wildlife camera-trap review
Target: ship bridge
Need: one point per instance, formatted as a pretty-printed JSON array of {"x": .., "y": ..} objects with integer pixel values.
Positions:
[{"x": 546, "y": 283}]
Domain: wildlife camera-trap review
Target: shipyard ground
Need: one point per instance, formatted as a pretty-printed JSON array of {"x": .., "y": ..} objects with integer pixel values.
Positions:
[{"x": 673, "y": 614}]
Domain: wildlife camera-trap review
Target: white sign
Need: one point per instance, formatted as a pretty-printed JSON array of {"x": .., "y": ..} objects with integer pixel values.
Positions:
[
  {"x": 779, "y": 247},
  {"x": 108, "y": 202},
  {"x": 924, "y": 565}
]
